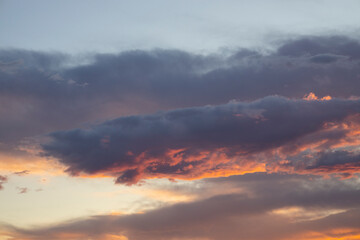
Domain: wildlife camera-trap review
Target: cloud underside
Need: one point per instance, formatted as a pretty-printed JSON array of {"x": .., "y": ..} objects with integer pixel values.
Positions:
[
  {"x": 44, "y": 92},
  {"x": 273, "y": 207},
  {"x": 271, "y": 134},
  {"x": 251, "y": 132}
]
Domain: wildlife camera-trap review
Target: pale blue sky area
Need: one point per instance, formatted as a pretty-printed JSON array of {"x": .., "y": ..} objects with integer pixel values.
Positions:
[{"x": 202, "y": 25}]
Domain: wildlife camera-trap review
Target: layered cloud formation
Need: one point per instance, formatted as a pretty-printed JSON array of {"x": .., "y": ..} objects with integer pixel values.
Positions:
[
  {"x": 194, "y": 142},
  {"x": 54, "y": 91},
  {"x": 271, "y": 137}
]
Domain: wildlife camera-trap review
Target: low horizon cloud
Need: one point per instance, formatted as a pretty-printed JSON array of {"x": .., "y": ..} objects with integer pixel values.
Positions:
[{"x": 271, "y": 206}]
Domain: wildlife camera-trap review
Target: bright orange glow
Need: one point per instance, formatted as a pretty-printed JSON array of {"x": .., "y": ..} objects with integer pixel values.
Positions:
[
  {"x": 34, "y": 164},
  {"x": 217, "y": 164},
  {"x": 213, "y": 164},
  {"x": 326, "y": 98},
  {"x": 312, "y": 97},
  {"x": 333, "y": 234},
  {"x": 114, "y": 237},
  {"x": 63, "y": 236}
]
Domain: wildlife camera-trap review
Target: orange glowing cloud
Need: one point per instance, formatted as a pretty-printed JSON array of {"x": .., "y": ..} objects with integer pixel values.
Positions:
[
  {"x": 270, "y": 134},
  {"x": 204, "y": 164},
  {"x": 312, "y": 97}
]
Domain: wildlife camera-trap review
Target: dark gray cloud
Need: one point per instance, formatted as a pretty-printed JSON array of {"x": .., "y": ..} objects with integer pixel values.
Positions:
[
  {"x": 310, "y": 46},
  {"x": 343, "y": 162},
  {"x": 3, "y": 179},
  {"x": 325, "y": 58},
  {"x": 53, "y": 91},
  {"x": 251, "y": 214},
  {"x": 336, "y": 159},
  {"x": 183, "y": 141}
]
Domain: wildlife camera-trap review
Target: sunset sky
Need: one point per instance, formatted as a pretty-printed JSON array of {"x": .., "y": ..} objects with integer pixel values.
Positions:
[{"x": 179, "y": 120}]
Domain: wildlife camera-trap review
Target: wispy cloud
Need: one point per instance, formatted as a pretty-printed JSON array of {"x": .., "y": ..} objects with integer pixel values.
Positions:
[
  {"x": 255, "y": 214},
  {"x": 21, "y": 173}
]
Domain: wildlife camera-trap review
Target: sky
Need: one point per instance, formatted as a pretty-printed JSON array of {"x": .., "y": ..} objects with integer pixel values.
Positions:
[{"x": 179, "y": 120}]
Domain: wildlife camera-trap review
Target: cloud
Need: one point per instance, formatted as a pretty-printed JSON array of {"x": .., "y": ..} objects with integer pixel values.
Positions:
[
  {"x": 191, "y": 142},
  {"x": 44, "y": 92},
  {"x": 265, "y": 208},
  {"x": 339, "y": 162},
  {"x": 220, "y": 114},
  {"x": 22, "y": 190},
  {"x": 53, "y": 91},
  {"x": 21, "y": 173},
  {"x": 336, "y": 158},
  {"x": 325, "y": 58},
  {"x": 3, "y": 179},
  {"x": 314, "y": 45}
]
